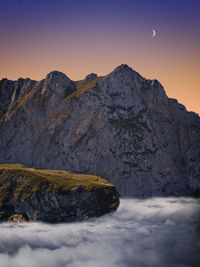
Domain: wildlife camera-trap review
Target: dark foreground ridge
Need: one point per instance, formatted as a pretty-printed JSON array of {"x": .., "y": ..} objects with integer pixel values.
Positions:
[
  {"x": 53, "y": 196},
  {"x": 122, "y": 127}
]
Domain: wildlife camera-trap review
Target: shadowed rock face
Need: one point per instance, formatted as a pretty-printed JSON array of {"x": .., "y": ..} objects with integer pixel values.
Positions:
[{"x": 122, "y": 127}]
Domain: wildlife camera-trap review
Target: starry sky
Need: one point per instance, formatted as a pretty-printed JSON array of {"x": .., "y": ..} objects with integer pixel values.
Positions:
[{"x": 78, "y": 37}]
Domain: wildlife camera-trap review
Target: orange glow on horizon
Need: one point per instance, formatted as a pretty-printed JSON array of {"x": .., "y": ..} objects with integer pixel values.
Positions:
[{"x": 177, "y": 70}]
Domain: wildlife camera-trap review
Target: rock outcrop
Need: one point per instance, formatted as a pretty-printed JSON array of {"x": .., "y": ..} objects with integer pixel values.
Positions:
[
  {"x": 53, "y": 196},
  {"x": 122, "y": 127}
]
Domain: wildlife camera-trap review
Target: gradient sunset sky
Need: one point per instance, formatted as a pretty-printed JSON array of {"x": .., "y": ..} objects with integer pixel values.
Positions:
[{"x": 78, "y": 37}]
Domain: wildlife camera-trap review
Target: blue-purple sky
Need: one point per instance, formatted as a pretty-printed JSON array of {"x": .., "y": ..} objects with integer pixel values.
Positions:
[{"x": 79, "y": 37}]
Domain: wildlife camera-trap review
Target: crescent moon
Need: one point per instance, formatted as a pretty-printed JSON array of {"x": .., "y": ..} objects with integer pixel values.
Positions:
[{"x": 154, "y": 33}]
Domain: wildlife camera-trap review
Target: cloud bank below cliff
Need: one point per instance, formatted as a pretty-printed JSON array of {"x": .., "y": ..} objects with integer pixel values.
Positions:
[{"x": 153, "y": 232}]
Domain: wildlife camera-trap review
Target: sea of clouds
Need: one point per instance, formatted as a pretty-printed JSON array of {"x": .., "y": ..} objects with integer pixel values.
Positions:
[{"x": 158, "y": 232}]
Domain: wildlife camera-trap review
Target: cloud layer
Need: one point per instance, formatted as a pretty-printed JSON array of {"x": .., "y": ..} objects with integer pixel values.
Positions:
[{"x": 142, "y": 233}]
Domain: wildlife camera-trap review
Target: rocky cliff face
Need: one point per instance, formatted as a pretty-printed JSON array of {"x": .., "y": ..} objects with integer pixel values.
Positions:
[
  {"x": 53, "y": 196},
  {"x": 121, "y": 127}
]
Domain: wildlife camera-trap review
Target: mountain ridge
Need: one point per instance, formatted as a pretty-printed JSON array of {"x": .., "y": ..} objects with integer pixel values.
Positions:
[{"x": 120, "y": 126}]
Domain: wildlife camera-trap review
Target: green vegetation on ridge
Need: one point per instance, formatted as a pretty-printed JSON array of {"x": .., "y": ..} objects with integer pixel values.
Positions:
[
  {"x": 84, "y": 86},
  {"x": 31, "y": 180}
]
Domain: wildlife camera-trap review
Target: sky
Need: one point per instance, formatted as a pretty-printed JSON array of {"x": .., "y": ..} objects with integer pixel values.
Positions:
[{"x": 78, "y": 37}]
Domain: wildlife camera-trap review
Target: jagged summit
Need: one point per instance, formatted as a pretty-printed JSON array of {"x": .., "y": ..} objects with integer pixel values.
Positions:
[
  {"x": 57, "y": 86},
  {"x": 122, "y": 67},
  {"x": 124, "y": 73},
  {"x": 121, "y": 127},
  {"x": 57, "y": 76},
  {"x": 90, "y": 77}
]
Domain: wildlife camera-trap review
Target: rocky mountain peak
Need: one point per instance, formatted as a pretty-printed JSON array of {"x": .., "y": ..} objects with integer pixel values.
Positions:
[
  {"x": 122, "y": 67},
  {"x": 57, "y": 76},
  {"x": 90, "y": 77},
  {"x": 128, "y": 75},
  {"x": 56, "y": 87}
]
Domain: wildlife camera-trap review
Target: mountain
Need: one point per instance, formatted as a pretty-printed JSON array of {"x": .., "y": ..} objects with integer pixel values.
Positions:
[{"x": 121, "y": 127}]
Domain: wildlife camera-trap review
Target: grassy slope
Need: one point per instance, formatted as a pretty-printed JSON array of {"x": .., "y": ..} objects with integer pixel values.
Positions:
[
  {"x": 36, "y": 179},
  {"x": 83, "y": 87}
]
